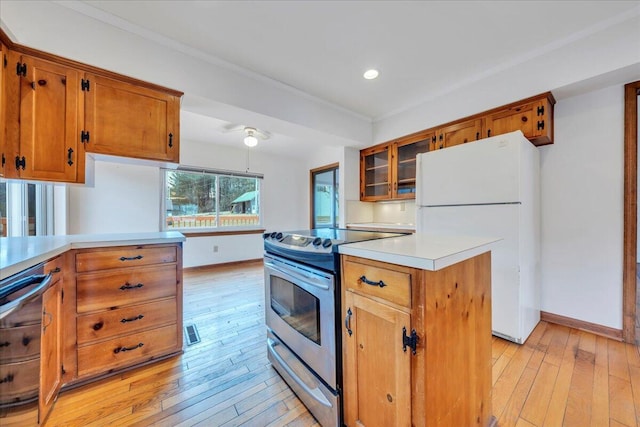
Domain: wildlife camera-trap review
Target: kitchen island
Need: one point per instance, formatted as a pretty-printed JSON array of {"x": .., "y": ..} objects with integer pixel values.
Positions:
[
  {"x": 115, "y": 303},
  {"x": 417, "y": 331}
]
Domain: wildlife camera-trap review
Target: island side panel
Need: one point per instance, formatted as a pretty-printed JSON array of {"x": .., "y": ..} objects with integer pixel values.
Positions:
[{"x": 452, "y": 381}]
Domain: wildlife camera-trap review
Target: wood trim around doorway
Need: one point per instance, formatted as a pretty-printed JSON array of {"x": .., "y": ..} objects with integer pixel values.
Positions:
[
  {"x": 631, "y": 92},
  {"x": 311, "y": 173}
]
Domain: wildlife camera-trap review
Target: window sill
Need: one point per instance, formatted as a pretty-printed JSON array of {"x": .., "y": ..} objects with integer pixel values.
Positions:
[{"x": 228, "y": 232}]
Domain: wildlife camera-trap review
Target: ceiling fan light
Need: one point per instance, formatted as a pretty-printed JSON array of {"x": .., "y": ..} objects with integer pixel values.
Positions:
[
  {"x": 250, "y": 141},
  {"x": 370, "y": 74}
]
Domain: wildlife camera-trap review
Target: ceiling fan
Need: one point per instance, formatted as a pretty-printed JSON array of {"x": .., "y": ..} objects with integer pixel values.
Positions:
[{"x": 251, "y": 134}]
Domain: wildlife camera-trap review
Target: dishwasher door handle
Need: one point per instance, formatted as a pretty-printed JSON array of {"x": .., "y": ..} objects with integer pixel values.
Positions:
[{"x": 11, "y": 306}]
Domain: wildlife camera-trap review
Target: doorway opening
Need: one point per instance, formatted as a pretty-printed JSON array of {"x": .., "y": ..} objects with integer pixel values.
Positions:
[{"x": 324, "y": 196}]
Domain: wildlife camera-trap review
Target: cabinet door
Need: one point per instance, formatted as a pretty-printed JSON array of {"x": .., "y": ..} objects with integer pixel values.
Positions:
[
  {"x": 460, "y": 133},
  {"x": 3, "y": 100},
  {"x": 377, "y": 372},
  {"x": 375, "y": 173},
  {"x": 10, "y": 116},
  {"x": 131, "y": 121},
  {"x": 404, "y": 172},
  {"x": 50, "y": 122},
  {"x": 532, "y": 118},
  {"x": 50, "y": 350}
]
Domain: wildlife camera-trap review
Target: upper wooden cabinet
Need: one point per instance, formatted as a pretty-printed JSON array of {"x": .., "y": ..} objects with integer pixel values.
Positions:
[
  {"x": 534, "y": 117},
  {"x": 396, "y": 178},
  {"x": 124, "y": 119},
  {"x": 3, "y": 100},
  {"x": 50, "y": 122},
  {"x": 388, "y": 171},
  {"x": 53, "y": 110},
  {"x": 375, "y": 173},
  {"x": 460, "y": 133}
]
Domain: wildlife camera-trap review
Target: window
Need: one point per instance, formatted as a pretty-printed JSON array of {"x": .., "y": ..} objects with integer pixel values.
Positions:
[
  {"x": 25, "y": 209},
  {"x": 202, "y": 200},
  {"x": 324, "y": 197}
]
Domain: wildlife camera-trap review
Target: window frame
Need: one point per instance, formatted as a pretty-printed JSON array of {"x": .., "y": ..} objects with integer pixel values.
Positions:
[
  {"x": 17, "y": 205},
  {"x": 217, "y": 229}
]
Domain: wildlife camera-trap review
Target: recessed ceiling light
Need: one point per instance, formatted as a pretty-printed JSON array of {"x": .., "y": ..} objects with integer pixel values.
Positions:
[{"x": 370, "y": 74}]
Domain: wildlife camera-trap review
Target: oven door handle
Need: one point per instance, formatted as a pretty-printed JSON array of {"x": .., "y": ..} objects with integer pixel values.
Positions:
[
  {"x": 306, "y": 278},
  {"x": 11, "y": 306},
  {"x": 315, "y": 392}
]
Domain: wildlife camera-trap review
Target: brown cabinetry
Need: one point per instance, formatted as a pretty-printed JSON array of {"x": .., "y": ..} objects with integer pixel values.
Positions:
[
  {"x": 388, "y": 171},
  {"x": 51, "y": 365},
  {"x": 53, "y": 109},
  {"x": 459, "y": 133},
  {"x": 416, "y": 344},
  {"x": 50, "y": 119},
  {"x": 128, "y": 305},
  {"x": 534, "y": 118},
  {"x": 4, "y": 62},
  {"x": 127, "y": 120}
]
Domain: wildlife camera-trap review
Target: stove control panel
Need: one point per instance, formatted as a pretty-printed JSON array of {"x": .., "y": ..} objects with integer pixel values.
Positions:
[{"x": 299, "y": 242}]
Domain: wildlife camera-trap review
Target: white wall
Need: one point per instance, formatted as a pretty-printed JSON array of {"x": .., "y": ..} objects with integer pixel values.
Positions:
[
  {"x": 582, "y": 209},
  {"x": 126, "y": 198}
]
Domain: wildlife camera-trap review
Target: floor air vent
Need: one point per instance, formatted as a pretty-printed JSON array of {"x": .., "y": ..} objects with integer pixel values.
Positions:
[{"x": 192, "y": 334}]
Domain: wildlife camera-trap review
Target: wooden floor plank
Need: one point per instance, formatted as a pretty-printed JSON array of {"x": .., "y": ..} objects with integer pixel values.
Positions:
[
  {"x": 559, "y": 377},
  {"x": 600, "y": 392},
  {"x": 558, "y": 403}
]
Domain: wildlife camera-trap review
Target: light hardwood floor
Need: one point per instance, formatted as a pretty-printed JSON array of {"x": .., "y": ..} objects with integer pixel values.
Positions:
[{"x": 560, "y": 377}]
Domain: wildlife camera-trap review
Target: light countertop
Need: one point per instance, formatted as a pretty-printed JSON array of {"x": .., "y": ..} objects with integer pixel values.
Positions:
[
  {"x": 20, "y": 253},
  {"x": 424, "y": 251}
]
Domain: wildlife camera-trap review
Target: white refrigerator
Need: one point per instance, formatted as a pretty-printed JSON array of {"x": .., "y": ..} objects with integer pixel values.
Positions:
[{"x": 490, "y": 187}]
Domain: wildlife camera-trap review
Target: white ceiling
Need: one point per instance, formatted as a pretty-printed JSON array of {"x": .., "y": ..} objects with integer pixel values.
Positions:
[
  {"x": 323, "y": 47},
  {"x": 318, "y": 50}
]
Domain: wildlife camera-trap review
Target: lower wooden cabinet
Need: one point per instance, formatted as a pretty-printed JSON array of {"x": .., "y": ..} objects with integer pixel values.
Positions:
[
  {"x": 377, "y": 371},
  {"x": 122, "y": 351},
  {"x": 51, "y": 349},
  {"x": 426, "y": 362},
  {"x": 128, "y": 306}
]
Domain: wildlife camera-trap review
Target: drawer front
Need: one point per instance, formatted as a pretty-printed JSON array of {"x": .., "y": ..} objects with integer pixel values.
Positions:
[
  {"x": 396, "y": 284},
  {"x": 19, "y": 343},
  {"x": 124, "y": 257},
  {"x": 19, "y": 381},
  {"x": 106, "y": 289},
  {"x": 127, "y": 350},
  {"x": 123, "y": 321}
]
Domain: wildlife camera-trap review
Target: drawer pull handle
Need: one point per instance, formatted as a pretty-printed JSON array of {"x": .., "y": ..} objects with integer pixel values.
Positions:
[
  {"x": 132, "y": 319},
  {"x": 127, "y": 286},
  {"x": 5, "y": 344},
  {"x": 371, "y": 282},
  {"x": 55, "y": 270},
  {"x": 98, "y": 326},
  {"x": 119, "y": 349},
  {"x": 133, "y": 258},
  {"x": 7, "y": 379}
]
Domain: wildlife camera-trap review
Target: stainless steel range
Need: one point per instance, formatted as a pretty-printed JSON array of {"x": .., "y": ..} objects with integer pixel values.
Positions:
[{"x": 302, "y": 292}]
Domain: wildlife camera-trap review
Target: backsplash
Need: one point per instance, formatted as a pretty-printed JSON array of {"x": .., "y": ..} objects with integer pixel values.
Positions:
[
  {"x": 395, "y": 212},
  {"x": 382, "y": 212}
]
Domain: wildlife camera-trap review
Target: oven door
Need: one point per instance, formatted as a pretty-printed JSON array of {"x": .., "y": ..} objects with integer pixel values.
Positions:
[{"x": 300, "y": 310}]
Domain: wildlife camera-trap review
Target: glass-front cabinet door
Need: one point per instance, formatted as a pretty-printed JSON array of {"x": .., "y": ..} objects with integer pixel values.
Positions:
[
  {"x": 375, "y": 173},
  {"x": 404, "y": 180}
]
